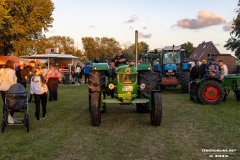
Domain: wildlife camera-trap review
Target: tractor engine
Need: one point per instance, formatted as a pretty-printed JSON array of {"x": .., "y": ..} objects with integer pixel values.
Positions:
[
  {"x": 126, "y": 85},
  {"x": 170, "y": 78}
]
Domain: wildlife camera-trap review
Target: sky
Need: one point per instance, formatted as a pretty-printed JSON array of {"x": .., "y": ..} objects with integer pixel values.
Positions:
[{"x": 159, "y": 22}]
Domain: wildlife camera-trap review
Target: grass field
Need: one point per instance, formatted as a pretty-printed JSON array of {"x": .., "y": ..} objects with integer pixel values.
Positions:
[{"x": 187, "y": 128}]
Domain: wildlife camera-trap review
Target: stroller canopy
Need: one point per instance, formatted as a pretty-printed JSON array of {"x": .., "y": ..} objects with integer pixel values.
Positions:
[{"x": 16, "y": 88}]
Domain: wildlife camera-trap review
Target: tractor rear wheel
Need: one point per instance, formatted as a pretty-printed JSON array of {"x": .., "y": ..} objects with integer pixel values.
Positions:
[
  {"x": 158, "y": 79},
  {"x": 94, "y": 105},
  {"x": 211, "y": 92},
  {"x": 185, "y": 81},
  {"x": 27, "y": 124},
  {"x": 156, "y": 113},
  {"x": 148, "y": 78}
]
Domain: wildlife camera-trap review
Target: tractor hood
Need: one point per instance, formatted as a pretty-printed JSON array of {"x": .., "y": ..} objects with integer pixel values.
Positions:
[
  {"x": 126, "y": 69},
  {"x": 172, "y": 67}
]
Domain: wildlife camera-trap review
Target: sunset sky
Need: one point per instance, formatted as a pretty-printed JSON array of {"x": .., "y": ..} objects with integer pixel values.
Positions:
[{"x": 159, "y": 22}]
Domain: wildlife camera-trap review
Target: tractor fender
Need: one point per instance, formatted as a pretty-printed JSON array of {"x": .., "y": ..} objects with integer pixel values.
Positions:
[
  {"x": 200, "y": 81},
  {"x": 101, "y": 67},
  {"x": 186, "y": 67},
  {"x": 144, "y": 66}
]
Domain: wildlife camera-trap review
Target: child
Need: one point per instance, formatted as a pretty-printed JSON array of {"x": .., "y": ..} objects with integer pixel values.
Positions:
[{"x": 39, "y": 89}]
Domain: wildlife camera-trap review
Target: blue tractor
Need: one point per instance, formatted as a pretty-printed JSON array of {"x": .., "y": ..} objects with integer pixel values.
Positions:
[{"x": 173, "y": 68}]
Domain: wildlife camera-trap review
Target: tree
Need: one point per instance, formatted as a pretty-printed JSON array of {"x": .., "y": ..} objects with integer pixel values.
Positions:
[
  {"x": 102, "y": 49},
  {"x": 129, "y": 52},
  {"x": 22, "y": 22},
  {"x": 233, "y": 43},
  {"x": 189, "y": 48}
]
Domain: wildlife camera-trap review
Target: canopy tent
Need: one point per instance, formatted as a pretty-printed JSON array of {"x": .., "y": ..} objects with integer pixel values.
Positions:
[
  {"x": 66, "y": 57},
  {"x": 4, "y": 59}
]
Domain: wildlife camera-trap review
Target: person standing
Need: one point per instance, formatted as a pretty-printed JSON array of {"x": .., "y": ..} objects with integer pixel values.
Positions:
[
  {"x": 53, "y": 76},
  {"x": 7, "y": 79},
  {"x": 194, "y": 73},
  {"x": 30, "y": 74},
  {"x": 202, "y": 69},
  {"x": 87, "y": 71},
  {"x": 223, "y": 69},
  {"x": 77, "y": 74},
  {"x": 39, "y": 89},
  {"x": 22, "y": 75}
]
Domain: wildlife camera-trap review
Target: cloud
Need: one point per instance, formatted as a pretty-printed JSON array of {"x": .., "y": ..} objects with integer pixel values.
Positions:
[
  {"x": 92, "y": 26},
  {"x": 142, "y": 35},
  {"x": 217, "y": 44},
  {"x": 228, "y": 26},
  {"x": 144, "y": 27},
  {"x": 204, "y": 19},
  {"x": 132, "y": 19}
]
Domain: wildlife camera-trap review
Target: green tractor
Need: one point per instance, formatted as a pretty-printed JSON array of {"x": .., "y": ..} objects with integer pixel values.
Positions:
[
  {"x": 133, "y": 84},
  {"x": 232, "y": 82},
  {"x": 207, "y": 90},
  {"x": 212, "y": 90}
]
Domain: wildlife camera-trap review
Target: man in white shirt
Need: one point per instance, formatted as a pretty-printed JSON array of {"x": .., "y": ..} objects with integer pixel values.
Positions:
[{"x": 224, "y": 69}]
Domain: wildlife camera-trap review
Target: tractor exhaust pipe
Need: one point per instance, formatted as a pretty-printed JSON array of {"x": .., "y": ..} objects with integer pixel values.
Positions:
[{"x": 136, "y": 48}]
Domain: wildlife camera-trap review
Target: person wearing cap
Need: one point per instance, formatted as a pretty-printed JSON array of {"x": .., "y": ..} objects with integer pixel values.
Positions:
[
  {"x": 223, "y": 69},
  {"x": 202, "y": 69}
]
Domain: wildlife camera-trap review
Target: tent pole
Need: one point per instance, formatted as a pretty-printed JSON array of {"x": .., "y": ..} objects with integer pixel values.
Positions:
[{"x": 48, "y": 62}]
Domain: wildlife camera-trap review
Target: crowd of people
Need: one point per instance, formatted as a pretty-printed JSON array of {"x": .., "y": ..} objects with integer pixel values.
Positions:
[
  {"x": 208, "y": 69},
  {"x": 43, "y": 83}
]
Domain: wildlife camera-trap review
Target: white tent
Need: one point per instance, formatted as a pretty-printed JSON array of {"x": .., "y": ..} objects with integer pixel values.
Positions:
[{"x": 51, "y": 56}]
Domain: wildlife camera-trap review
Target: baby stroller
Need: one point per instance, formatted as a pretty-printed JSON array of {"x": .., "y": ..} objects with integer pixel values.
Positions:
[{"x": 16, "y": 100}]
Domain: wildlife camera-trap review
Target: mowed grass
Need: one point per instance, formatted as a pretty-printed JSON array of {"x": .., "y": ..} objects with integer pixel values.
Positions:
[{"x": 187, "y": 128}]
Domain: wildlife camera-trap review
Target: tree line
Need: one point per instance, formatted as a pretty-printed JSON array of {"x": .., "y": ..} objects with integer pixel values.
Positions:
[{"x": 24, "y": 22}]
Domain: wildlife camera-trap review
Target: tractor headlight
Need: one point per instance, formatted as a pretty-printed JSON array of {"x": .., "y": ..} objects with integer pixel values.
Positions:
[
  {"x": 149, "y": 68},
  {"x": 142, "y": 86},
  {"x": 95, "y": 68},
  {"x": 111, "y": 86}
]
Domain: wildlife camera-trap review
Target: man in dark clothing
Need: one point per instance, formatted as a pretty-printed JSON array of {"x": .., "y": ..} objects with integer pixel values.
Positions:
[
  {"x": 22, "y": 75},
  {"x": 194, "y": 71},
  {"x": 119, "y": 59},
  {"x": 202, "y": 69}
]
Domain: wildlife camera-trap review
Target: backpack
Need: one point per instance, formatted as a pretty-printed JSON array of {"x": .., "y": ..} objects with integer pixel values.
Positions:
[{"x": 213, "y": 70}]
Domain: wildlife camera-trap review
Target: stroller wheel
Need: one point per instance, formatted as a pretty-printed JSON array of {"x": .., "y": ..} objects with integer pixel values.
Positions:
[
  {"x": 3, "y": 125},
  {"x": 27, "y": 122}
]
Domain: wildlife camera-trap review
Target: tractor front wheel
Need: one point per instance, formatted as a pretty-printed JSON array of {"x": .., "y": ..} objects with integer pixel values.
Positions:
[
  {"x": 94, "y": 105},
  {"x": 211, "y": 92},
  {"x": 148, "y": 78},
  {"x": 156, "y": 113}
]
